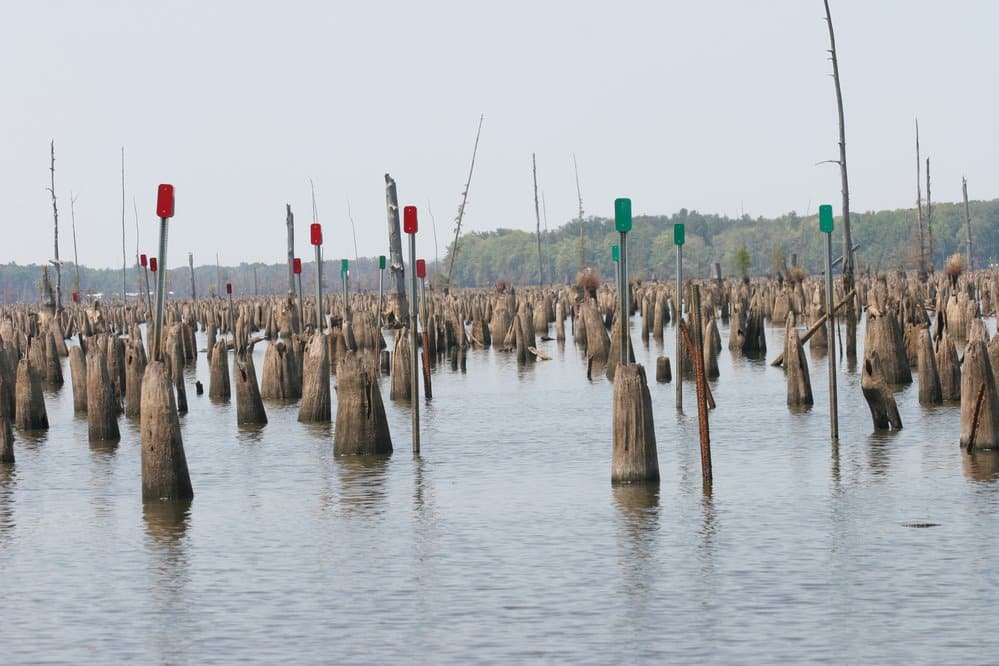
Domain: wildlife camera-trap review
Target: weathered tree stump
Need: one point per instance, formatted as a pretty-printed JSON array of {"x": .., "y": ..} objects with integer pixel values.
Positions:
[
  {"x": 979, "y": 402},
  {"x": 597, "y": 341},
  {"x": 712, "y": 343},
  {"x": 885, "y": 337},
  {"x": 135, "y": 368},
  {"x": 164, "y": 465},
  {"x": 29, "y": 403},
  {"x": 361, "y": 424},
  {"x": 175, "y": 351},
  {"x": 930, "y": 392},
  {"x": 53, "y": 366},
  {"x": 102, "y": 422},
  {"x": 948, "y": 369},
  {"x": 78, "y": 376},
  {"x": 799, "y": 383},
  {"x": 879, "y": 397},
  {"x": 249, "y": 406},
  {"x": 401, "y": 368},
  {"x": 115, "y": 359},
  {"x": 664, "y": 374},
  {"x": 219, "y": 387},
  {"x": 634, "y": 457},
  {"x": 315, "y": 407},
  {"x": 279, "y": 378},
  {"x": 6, "y": 431}
]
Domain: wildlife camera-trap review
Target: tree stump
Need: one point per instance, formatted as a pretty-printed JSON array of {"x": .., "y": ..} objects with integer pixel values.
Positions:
[
  {"x": 6, "y": 431},
  {"x": 361, "y": 424},
  {"x": 663, "y": 373},
  {"x": 799, "y": 383},
  {"x": 948, "y": 368},
  {"x": 315, "y": 407},
  {"x": 979, "y": 402},
  {"x": 249, "y": 406},
  {"x": 279, "y": 377},
  {"x": 29, "y": 403},
  {"x": 102, "y": 422},
  {"x": 930, "y": 392},
  {"x": 53, "y": 364},
  {"x": 634, "y": 457},
  {"x": 164, "y": 465},
  {"x": 401, "y": 388},
  {"x": 879, "y": 397},
  {"x": 218, "y": 382},
  {"x": 78, "y": 376},
  {"x": 135, "y": 368},
  {"x": 885, "y": 337},
  {"x": 175, "y": 352}
]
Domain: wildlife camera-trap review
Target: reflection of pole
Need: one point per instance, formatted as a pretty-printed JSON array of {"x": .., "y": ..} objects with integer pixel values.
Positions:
[
  {"x": 833, "y": 408},
  {"x": 427, "y": 389},
  {"x": 160, "y": 289},
  {"x": 679, "y": 335},
  {"x": 319, "y": 290},
  {"x": 622, "y": 290},
  {"x": 414, "y": 357}
]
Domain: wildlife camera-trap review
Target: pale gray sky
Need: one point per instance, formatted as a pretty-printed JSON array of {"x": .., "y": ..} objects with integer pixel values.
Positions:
[{"x": 719, "y": 106}]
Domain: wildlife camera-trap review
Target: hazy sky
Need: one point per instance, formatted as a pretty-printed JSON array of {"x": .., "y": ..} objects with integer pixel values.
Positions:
[{"x": 723, "y": 107}]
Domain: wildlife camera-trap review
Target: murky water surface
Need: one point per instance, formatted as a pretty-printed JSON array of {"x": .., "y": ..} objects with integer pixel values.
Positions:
[{"x": 505, "y": 541}]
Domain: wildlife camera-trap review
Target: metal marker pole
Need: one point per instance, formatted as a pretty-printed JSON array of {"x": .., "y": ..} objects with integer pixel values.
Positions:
[
  {"x": 160, "y": 290},
  {"x": 679, "y": 336},
  {"x": 301, "y": 311},
  {"x": 833, "y": 407},
  {"x": 319, "y": 290},
  {"x": 149, "y": 299},
  {"x": 414, "y": 356},
  {"x": 381, "y": 280},
  {"x": 622, "y": 290}
]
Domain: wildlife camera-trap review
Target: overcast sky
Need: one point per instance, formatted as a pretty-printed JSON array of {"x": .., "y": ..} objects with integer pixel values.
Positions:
[{"x": 723, "y": 107}]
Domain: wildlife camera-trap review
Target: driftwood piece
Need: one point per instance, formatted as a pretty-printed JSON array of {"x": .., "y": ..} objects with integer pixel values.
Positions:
[{"x": 814, "y": 328}]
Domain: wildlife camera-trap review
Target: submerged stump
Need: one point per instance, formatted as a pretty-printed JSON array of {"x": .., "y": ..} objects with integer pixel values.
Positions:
[
  {"x": 164, "y": 465},
  {"x": 249, "y": 406},
  {"x": 78, "y": 376},
  {"x": 880, "y": 400},
  {"x": 315, "y": 407},
  {"x": 361, "y": 424},
  {"x": 930, "y": 392},
  {"x": 102, "y": 422},
  {"x": 634, "y": 457},
  {"x": 29, "y": 403},
  {"x": 799, "y": 383},
  {"x": 218, "y": 382},
  {"x": 979, "y": 402}
]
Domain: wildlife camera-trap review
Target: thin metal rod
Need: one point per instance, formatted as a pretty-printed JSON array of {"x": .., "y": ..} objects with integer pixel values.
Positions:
[
  {"x": 833, "y": 406},
  {"x": 319, "y": 289},
  {"x": 679, "y": 335},
  {"x": 301, "y": 310},
  {"x": 622, "y": 290},
  {"x": 381, "y": 283},
  {"x": 160, "y": 290},
  {"x": 414, "y": 356}
]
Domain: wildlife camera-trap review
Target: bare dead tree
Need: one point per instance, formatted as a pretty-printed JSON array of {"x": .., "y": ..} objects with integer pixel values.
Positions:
[
  {"x": 433, "y": 224},
  {"x": 289, "y": 220},
  {"x": 124, "y": 262},
  {"x": 464, "y": 200},
  {"x": 919, "y": 211},
  {"x": 395, "y": 302},
  {"x": 967, "y": 222},
  {"x": 579, "y": 196},
  {"x": 537, "y": 217},
  {"x": 848, "y": 260},
  {"x": 353, "y": 232},
  {"x": 55, "y": 225},
  {"x": 76, "y": 258},
  {"x": 929, "y": 216}
]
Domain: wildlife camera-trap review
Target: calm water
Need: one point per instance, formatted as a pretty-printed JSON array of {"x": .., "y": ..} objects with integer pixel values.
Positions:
[{"x": 504, "y": 541}]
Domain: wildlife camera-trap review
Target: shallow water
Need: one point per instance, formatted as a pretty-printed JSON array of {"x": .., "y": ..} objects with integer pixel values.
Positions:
[{"x": 505, "y": 541}]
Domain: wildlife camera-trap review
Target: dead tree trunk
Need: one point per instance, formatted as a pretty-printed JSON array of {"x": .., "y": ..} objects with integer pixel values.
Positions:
[
  {"x": 879, "y": 397},
  {"x": 848, "y": 262},
  {"x": 396, "y": 306},
  {"x": 967, "y": 223},
  {"x": 55, "y": 226},
  {"x": 289, "y": 221}
]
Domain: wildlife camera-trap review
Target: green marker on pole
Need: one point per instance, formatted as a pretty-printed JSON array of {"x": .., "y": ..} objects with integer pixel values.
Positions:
[
  {"x": 622, "y": 222},
  {"x": 615, "y": 253},
  {"x": 679, "y": 234},
  {"x": 825, "y": 219},
  {"x": 381, "y": 262},
  {"x": 678, "y": 238},
  {"x": 622, "y": 215}
]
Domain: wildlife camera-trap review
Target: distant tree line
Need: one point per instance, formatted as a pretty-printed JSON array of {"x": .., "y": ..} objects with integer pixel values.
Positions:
[{"x": 888, "y": 241}]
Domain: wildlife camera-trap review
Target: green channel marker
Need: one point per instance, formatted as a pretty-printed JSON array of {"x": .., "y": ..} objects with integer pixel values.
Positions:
[
  {"x": 615, "y": 253},
  {"x": 825, "y": 219},
  {"x": 622, "y": 215},
  {"x": 381, "y": 262},
  {"x": 343, "y": 266},
  {"x": 678, "y": 234}
]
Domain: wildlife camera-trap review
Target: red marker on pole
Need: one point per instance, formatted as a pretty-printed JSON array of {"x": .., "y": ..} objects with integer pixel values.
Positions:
[
  {"x": 409, "y": 225},
  {"x": 164, "y": 210},
  {"x": 316, "y": 233},
  {"x": 228, "y": 287},
  {"x": 152, "y": 264},
  {"x": 142, "y": 260},
  {"x": 296, "y": 266},
  {"x": 316, "y": 236},
  {"x": 421, "y": 268}
]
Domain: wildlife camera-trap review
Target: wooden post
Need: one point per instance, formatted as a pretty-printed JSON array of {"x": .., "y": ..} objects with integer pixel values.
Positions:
[{"x": 707, "y": 474}]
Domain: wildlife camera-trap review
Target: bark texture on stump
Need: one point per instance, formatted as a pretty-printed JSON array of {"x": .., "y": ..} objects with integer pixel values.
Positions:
[
  {"x": 315, "y": 407},
  {"x": 135, "y": 368},
  {"x": 879, "y": 397},
  {"x": 799, "y": 383},
  {"x": 979, "y": 402},
  {"x": 664, "y": 373},
  {"x": 401, "y": 368},
  {"x": 634, "y": 457},
  {"x": 102, "y": 422},
  {"x": 164, "y": 465},
  {"x": 6, "y": 431},
  {"x": 361, "y": 424},
  {"x": 249, "y": 406},
  {"x": 78, "y": 376},
  {"x": 948, "y": 369},
  {"x": 930, "y": 392},
  {"x": 279, "y": 377},
  {"x": 218, "y": 382},
  {"x": 29, "y": 403}
]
